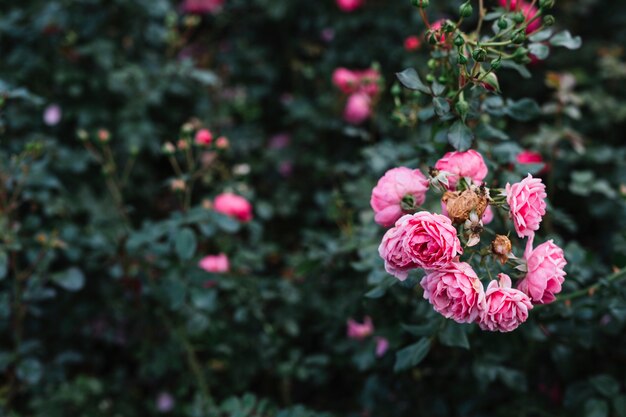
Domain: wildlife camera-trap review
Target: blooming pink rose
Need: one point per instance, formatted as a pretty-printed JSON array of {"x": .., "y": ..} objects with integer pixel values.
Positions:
[
  {"x": 429, "y": 240},
  {"x": 202, "y": 6},
  {"x": 234, "y": 206},
  {"x": 505, "y": 307},
  {"x": 382, "y": 345},
  {"x": 545, "y": 272},
  {"x": 360, "y": 331},
  {"x": 358, "y": 108},
  {"x": 397, "y": 261},
  {"x": 463, "y": 164},
  {"x": 349, "y": 5},
  {"x": 203, "y": 137},
  {"x": 455, "y": 292},
  {"x": 438, "y": 25},
  {"x": 396, "y": 184},
  {"x": 527, "y": 204},
  {"x": 346, "y": 80},
  {"x": 216, "y": 264}
]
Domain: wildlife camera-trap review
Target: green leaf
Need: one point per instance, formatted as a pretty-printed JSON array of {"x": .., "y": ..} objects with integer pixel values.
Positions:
[
  {"x": 605, "y": 385},
  {"x": 541, "y": 36},
  {"x": 596, "y": 408},
  {"x": 411, "y": 80},
  {"x": 437, "y": 88},
  {"x": 460, "y": 136},
  {"x": 487, "y": 131},
  {"x": 521, "y": 70},
  {"x": 523, "y": 110},
  {"x": 454, "y": 335},
  {"x": 412, "y": 355},
  {"x": 619, "y": 405},
  {"x": 4, "y": 265},
  {"x": 30, "y": 371},
  {"x": 442, "y": 107},
  {"x": 566, "y": 40},
  {"x": 420, "y": 329},
  {"x": 185, "y": 243},
  {"x": 539, "y": 50},
  {"x": 70, "y": 280}
]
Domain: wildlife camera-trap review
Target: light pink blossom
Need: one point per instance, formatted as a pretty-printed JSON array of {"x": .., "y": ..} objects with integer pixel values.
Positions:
[
  {"x": 358, "y": 108},
  {"x": 527, "y": 204},
  {"x": 468, "y": 164},
  {"x": 346, "y": 80},
  {"x": 52, "y": 115},
  {"x": 455, "y": 292},
  {"x": 526, "y": 8},
  {"x": 349, "y": 5},
  {"x": 396, "y": 184},
  {"x": 505, "y": 307},
  {"x": 234, "y": 206},
  {"x": 382, "y": 345},
  {"x": 360, "y": 331},
  {"x": 203, "y": 137},
  {"x": 397, "y": 261},
  {"x": 216, "y": 264},
  {"x": 545, "y": 273}
]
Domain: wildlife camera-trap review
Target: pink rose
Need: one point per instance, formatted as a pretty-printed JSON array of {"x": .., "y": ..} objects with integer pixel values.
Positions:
[
  {"x": 204, "y": 137},
  {"x": 437, "y": 25},
  {"x": 531, "y": 157},
  {"x": 455, "y": 292},
  {"x": 360, "y": 331},
  {"x": 527, "y": 205},
  {"x": 397, "y": 262},
  {"x": 382, "y": 345},
  {"x": 545, "y": 272},
  {"x": 349, "y": 5},
  {"x": 358, "y": 108},
  {"x": 429, "y": 240},
  {"x": 526, "y": 8},
  {"x": 345, "y": 80},
  {"x": 369, "y": 80},
  {"x": 392, "y": 188},
  {"x": 463, "y": 164},
  {"x": 216, "y": 264},
  {"x": 505, "y": 307},
  {"x": 202, "y": 6},
  {"x": 234, "y": 206}
]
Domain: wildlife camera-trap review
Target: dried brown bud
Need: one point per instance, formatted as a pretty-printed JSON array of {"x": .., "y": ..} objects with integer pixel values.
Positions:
[
  {"x": 501, "y": 248},
  {"x": 461, "y": 204}
]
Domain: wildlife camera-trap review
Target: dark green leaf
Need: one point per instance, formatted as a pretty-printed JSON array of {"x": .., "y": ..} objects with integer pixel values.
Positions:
[
  {"x": 460, "y": 136},
  {"x": 453, "y": 334},
  {"x": 185, "y": 243},
  {"x": 410, "y": 79},
  {"x": 605, "y": 385},
  {"x": 30, "y": 371},
  {"x": 4, "y": 265},
  {"x": 442, "y": 107},
  {"x": 412, "y": 355},
  {"x": 523, "y": 110},
  {"x": 596, "y": 408},
  {"x": 71, "y": 279}
]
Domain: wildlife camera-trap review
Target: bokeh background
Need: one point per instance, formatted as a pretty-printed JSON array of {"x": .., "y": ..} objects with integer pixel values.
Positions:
[{"x": 103, "y": 308}]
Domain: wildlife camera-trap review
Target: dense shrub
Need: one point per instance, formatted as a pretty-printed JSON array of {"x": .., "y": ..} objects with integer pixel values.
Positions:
[{"x": 104, "y": 308}]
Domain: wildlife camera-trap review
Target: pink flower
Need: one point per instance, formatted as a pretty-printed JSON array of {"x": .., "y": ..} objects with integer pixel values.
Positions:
[
  {"x": 505, "y": 307},
  {"x": 392, "y": 188},
  {"x": 202, "y": 6},
  {"x": 468, "y": 164},
  {"x": 527, "y": 205},
  {"x": 346, "y": 80},
  {"x": 349, "y": 5},
  {"x": 412, "y": 43},
  {"x": 397, "y": 261},
  {"x": 204, "y": 137},
  {"x": 455, "y": 292},
  {"x": 165, "y": 402},
  {"x": 369, "y": 80},
  {"x": 279, "y": 141},
  {"x": 52, "y": 115},
  {"x": 234, "y": 206},
  {"x": 429, "y": 240},
  {"x": 545, "y": 272},
  {"x": 382, "y": 345},
  {"x": 216, "y": 264},
  {"x": 360, "y": 331},
  {"x": 437, "y": 25},
  {"x": 358, "y": 108},
  {"x": 531, "y": 157},
  {"x": 529, "y": 12}
]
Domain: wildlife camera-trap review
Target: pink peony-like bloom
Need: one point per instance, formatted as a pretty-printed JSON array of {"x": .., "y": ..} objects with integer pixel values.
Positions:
[
  {"x": 346, "y": 80},
  {"x": 202, "y": 6},
  {"x": 382, "y": 345},
  {"x": 358, "y": 108},
  {"x": 204, "y": 137},
  {"x": 455, "y": 292},
  {"x": 392, "y": 188},
  {"x": 369, "y": 80},
  {"x": 463, "y": 164},
  {"x": 545, "y": 274},
  {"x": 429, "y": 240},
  {"x": 397, "y": 261},
  {"x": 216, "y": 264},
  {"x": 360, "y": 331},
  {"x": 505, "y": 307},
  {"x": 234, "y": 206},
  {"x": 527, "y": 204},
  {"x": 349, "y": 5}
]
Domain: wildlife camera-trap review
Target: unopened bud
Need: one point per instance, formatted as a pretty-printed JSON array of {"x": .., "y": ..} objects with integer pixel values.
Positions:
[
  {"x": 462, "y": 59},
  {"x": 458, "y": 40},
  {"x": 519, "y": 18},
  {"x": 479, "y": 54},
  {"x": 501, "y": 248},
  {"x": 519, "y": 37},
  {"x": 422, "y": 4},
  {"x": 396, "y": 90},
  {"x": 466, "y": 9},
  {"x": 449, "y": 27},
  {"x": 168, "y": 148},
  {"x": 496, "y": 63},
  {"x": 104, "y": 135},
  {"x": 546, "y": 4},
  {"x": 549, "y": 20},
  {"x": 503, "y": 23},
  {"x": 462, "y": 108}
]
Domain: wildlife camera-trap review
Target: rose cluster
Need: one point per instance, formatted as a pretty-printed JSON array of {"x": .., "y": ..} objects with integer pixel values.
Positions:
[
  {"x": 362, "y": 88},
  {"x": 436, "y": 242}
]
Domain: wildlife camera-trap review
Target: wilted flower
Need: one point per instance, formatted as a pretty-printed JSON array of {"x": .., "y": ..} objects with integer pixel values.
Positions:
[{"x": 501, "y": 248}]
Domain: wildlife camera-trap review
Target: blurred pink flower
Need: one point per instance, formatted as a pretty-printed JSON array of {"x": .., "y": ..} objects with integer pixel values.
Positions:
[
  {"x": 358, "y": 108},
  {"x": 216, "y": 264},
  {"x": 412, "y": 43},
  {"x": 349, "y": 5},
  {"x": 360, "y": 331},
  {"x": 234, "y": 206},
  {"x": 531, "y": 157},
  {"x": 285, "y": 168},
  {"x": 202, "y": 6},
  {"x": 328, "y": 34},
  {"x": 52, "y": 115},
  {"x": 204, "y": 137},
  {"x": 279, "y": 141},
  {"x": 165, "y": 402},
  {"x": 382, "y": 345}
]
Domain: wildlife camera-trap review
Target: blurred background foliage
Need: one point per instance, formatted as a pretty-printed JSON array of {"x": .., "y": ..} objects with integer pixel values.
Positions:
[{"x": 103, "y": 309}]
